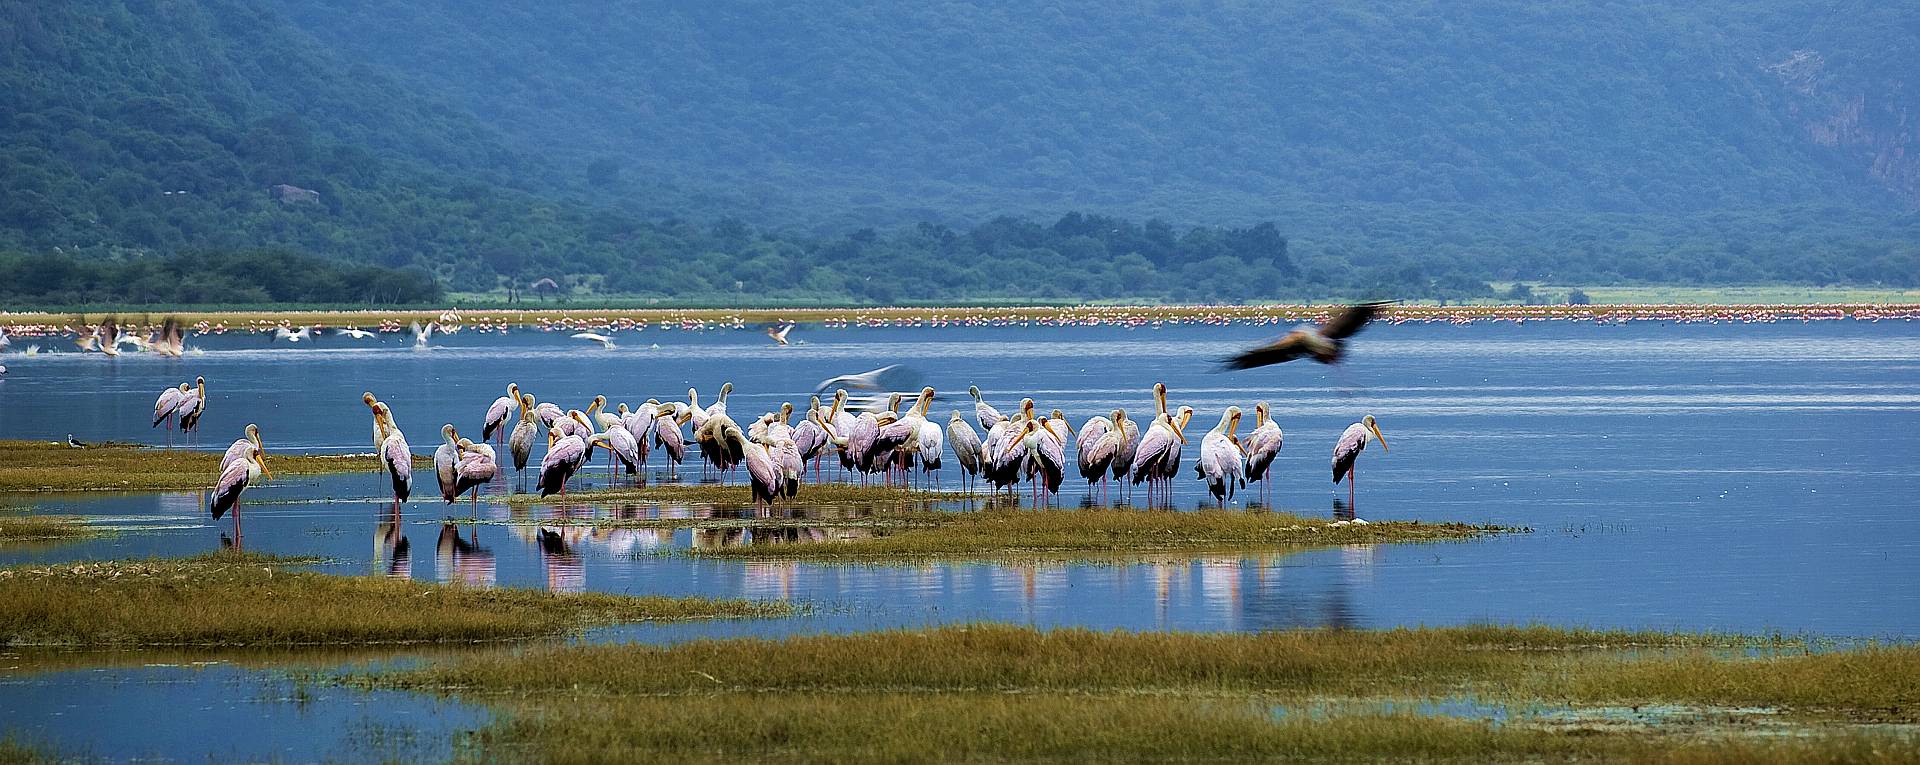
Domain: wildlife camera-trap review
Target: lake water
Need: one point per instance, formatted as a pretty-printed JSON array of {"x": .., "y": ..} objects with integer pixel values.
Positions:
[{"x": 1743, "y": 477}]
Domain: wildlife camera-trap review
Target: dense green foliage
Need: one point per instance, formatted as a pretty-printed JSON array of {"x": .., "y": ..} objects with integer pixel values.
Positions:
[
  {"x": 1212, "y": 110},
  {"x": 878, "y": 148},
  {"x": 251, "y": 278}
]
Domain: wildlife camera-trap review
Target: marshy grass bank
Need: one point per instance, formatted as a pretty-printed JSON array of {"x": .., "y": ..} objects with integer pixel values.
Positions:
[
  {"x": 42, "y": 466},
  {"x": 234, "y": 599},
  {"x": 999, "y": 693},
  {"x": 900, "y": 525}
]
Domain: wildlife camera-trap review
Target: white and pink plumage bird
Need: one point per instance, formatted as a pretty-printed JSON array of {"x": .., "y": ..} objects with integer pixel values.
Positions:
[
  {"x": 1346, "y": 452},
  {"x": 249, "y": 465}
]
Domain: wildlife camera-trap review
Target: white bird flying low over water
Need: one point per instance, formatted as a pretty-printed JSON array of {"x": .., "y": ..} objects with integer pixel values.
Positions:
[
  {"x": 606, "y": 343},
  {"x": 282, "y": 333},
  {"x": 779, "y": 334},
  {"x": 889, "y": 377},
  {"x": 354, "y": 332},
  {"x": 421, "y": 335},
  {"x": 1325, "y": 343}
]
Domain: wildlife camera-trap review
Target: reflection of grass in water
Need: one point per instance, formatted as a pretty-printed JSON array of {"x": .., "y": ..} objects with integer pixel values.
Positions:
[
  {"x": 15, "y": 529},
  {"x": 738, "y": 494},
  {"x": 227, "y": 599},
  {"x": 1017, "y": 533},
  {"x": 911, "y": 529},
  {"x": 45, "y": 466},
  {"x": 989, "y": 692}
]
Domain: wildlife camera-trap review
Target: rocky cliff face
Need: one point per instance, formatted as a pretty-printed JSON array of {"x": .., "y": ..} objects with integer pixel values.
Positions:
[{"x": 1873, "y": 120}]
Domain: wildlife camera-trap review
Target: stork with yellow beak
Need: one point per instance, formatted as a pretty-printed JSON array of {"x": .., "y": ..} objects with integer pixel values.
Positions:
[
  {"x": 394, "y": 454},
  {"x": 1346, "y": 452},
  {"x": 1158, "y": 448},
  {"x": 248, "y": 465},
  {"x": 1262, "y": 447},
  {"x": 1223, "y": 461},
  {"x": 498, "y": 412},
  {"x": 520, "y": 443}
]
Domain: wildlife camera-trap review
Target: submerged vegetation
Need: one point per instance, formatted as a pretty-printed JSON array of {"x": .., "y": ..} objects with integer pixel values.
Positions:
[
  {"x": 811, "y": 494},
  {"x": 228, "y": 599},
  {"x": 1014, "y": 693},
  {"x": 33, "y": 466},
  {"x": 1088, "y": 532},
  {"x": 904, "y": 525},
  {"x": 43, "y": 528}
]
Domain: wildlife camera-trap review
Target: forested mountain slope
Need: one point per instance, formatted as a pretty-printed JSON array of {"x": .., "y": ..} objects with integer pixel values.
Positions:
[
  {"x": 1217, "y": 110},
  {"x": 885, "y": 151}
]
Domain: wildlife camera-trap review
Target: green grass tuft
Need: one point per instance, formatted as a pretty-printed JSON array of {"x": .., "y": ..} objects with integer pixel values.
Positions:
[
  {"x": 1077, "y": 533},
  {"x": 44, "y": 528},
  {"x": 41, "y": 466},
  {"x": 227, "y": 599},
  {"x": 1004, "y": 693}
]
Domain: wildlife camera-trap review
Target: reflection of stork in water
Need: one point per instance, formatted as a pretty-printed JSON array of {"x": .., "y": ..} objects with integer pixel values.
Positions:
[
  {"x": 463, "y": 561},
  {"x": 564, "y": 570},
  {"x": 392, "y": 555}
]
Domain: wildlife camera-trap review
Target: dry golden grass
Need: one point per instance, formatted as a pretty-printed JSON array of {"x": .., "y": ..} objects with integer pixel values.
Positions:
[
  {"x": 250, "y": 600},
  {"x": 1002, "y": 693},
  {"x": 39, "y": 466}
]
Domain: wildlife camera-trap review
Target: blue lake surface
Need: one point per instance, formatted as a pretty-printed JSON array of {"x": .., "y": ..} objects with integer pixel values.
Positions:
[{"x": 1741, "y": 477}]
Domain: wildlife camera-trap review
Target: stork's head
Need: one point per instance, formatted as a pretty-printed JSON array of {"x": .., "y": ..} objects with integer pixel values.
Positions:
[{"x": 1368, "y": 422}]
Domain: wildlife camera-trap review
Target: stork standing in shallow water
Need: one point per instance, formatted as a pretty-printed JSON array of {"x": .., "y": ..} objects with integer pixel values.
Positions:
[
  {"x": 477, "y": 467},
  {"x": 498, "y": 412},
  {"x": 237, "y": 475},
  {"x": 1346, "y": 453},
  {"x": 1262, "y": 447},
  {"x": 520, "y": 443},
  {"x": 394, "y": 454},
  {"x": 1222, "y": 462}
]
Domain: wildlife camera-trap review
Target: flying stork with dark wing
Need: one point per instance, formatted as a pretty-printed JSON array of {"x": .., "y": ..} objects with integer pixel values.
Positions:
[{"x": 1325, "y": 343}]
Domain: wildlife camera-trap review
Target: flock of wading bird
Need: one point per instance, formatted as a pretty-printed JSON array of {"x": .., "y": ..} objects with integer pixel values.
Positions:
[{"x": 883, "y": 442}]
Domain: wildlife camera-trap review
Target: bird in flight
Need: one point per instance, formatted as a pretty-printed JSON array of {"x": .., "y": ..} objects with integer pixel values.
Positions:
[
  {"x": 606, "y": 343},
  {"x": 779, "y": 334},
  {"x": 1325, "y": 343}
]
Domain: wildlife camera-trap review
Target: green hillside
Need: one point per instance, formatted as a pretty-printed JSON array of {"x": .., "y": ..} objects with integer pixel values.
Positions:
[
  {"x": 887, "y": 151},
  {"x": 1219, "y": 110}
]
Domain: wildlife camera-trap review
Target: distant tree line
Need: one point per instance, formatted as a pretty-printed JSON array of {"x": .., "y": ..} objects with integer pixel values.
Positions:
[{"x": 259, "y": 277}]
